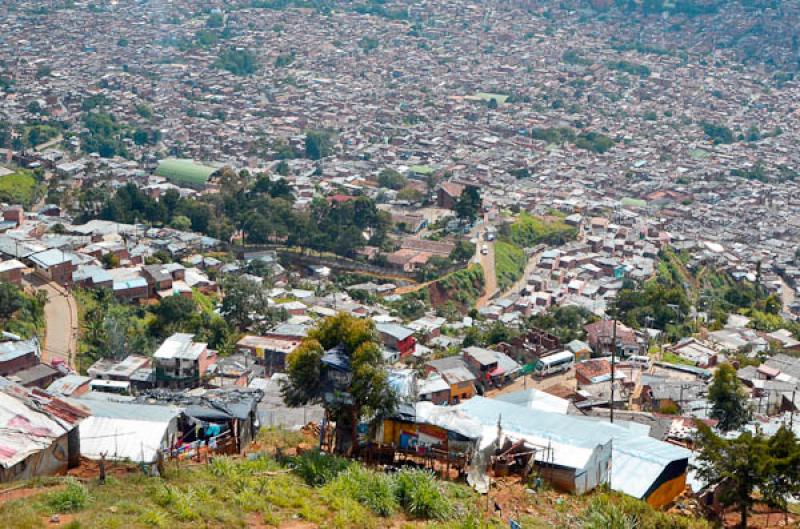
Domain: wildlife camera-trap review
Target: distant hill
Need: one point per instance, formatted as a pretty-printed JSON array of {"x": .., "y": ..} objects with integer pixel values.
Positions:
[{"x": 757, "y": 31}]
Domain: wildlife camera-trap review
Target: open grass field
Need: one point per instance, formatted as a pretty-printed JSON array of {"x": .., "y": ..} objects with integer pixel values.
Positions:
[{"x": 19, "y": 187}]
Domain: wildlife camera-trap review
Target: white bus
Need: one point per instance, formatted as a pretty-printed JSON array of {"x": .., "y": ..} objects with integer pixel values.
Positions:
[
  {"x": 556, "y": 363},
  {"x": 118, "y": 387}
]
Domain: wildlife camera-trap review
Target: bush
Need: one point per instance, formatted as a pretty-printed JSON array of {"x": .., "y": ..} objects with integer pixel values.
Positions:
[
  {"x": 374, "y": 490},
  {"x": 70, "y": 499},
  {"x": 419, "y": 494},
  {"x": 317, "y": 468},
  {"x": 612, "y": 511}
]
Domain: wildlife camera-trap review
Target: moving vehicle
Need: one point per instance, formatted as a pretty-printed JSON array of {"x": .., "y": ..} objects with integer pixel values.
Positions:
[
  {"x": 556, "y": 363},
  {"x": 640, "y": 361},
  {"x": 485, "y": 250}
]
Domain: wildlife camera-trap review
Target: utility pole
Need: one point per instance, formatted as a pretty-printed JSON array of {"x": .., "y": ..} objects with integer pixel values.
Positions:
[{"x": 613, "y": 361}]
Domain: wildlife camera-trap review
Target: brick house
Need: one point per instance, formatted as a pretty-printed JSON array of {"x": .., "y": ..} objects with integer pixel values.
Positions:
[{"x": 181, "y": 362}]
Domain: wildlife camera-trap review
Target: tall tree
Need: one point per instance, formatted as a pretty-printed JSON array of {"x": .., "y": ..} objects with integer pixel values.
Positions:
[
  {"x": 728, "y": 399},
  {"x": 738, "y": 467},
  {"x": 352, "y": 386},
  {"x": 319, "y": 144},
  {"x": 784, "y": 448},
  {"x": 469, "y": 204},
  {"x": 246, "y": 305}
]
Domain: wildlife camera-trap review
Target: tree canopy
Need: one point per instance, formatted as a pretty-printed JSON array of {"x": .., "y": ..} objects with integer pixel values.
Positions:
[
  {"x": 749, "y": 463},
  {"x": 469, "y": 204},
  {"x": 728, "y": 399},
  {"x": 246, "y": 306},
  {"x": 362, "y": 392}
]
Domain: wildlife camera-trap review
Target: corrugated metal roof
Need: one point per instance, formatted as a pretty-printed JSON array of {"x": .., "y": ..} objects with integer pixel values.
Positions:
[
  {"x": 30, "y": 421},
  {"x": 12, "y": 350},
  {"x": 637, "y": 459}
]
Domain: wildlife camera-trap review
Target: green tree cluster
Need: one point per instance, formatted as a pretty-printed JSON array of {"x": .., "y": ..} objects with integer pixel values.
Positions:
[
  {"x": 358, "y": 391},
  {"x": 629, "y": 67},
  {"x": 246, "y": 306},
  {"x": 261, "y": 210},
  {"x": 565, "y": 322},
  {"x": 237, "y": 61},
  {"x": 717, "y": 133},
  {"x": 728, "y": 399},
  {"x": 747, "y": 464},
  {"x": 21, "y": 313},
  {"x": 104, "y": 135},
  {"x": 469, "y": 204},
  {"x": 319, "y": 144},
  {"x": 391, "y": 179}
]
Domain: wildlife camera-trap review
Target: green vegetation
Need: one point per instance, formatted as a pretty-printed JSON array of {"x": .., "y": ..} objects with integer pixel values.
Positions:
[
  {"x": 566, "y": 322},
  {"x": 267, "y": 489},
  {"x": 111, "y": 329},
  {"x": 262, "y": 209},
  {"x": 366, "y": 393},
  {"x": 755, "y": 172},
  {"x": 509, "y": 262},
  {"x": 469, "y": 204},
  {"x": 590, "y": 141},
  {"x": 215, "y": 20},
  {"x": 671, "y": 358},
  {"x": 284, "y": 59},
  {"x": 21, "y": 313},
  {"x": 528, "y": 231},
  {"x": 104, "y": 135},
  {"x": 728, "y": 399},
  {"x": 246, "y": 306},
  {"x": 717, "y": 133},
  {"x": 319, "y": 144},
  {"x": 462, "y": 288},
  {"x": 19, "y": 187},
  {"x": 74, "y": 497},
  {"x": 368, "y": 44},
  {"x": 615, "y": 511},
  {"x": 574, "y": 57},
  {"x": 237, "y": 61},
  {"x": 391, "y": 179},
  {"x": 500, "y": 99},
  {"x": 749, "y": 463},
  {"x": 629, "y": 67}
]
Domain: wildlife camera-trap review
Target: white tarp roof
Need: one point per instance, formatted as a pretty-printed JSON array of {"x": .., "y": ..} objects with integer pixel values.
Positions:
[
  {"x": 123, "y": 430},
  {"x": 534, "y": 399},
  {"x": 449, "y": 418},
  {"x": 119, "y": 439}
]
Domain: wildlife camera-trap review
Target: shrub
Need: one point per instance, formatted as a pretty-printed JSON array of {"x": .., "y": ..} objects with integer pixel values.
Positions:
[
  {"x": 317, "y": 468},
  {"x": 419, "y": 494},
  {"x": 73, "y": 497},
  {"x": 612, "y": 511},
  {"x": 374, "y": 490}
]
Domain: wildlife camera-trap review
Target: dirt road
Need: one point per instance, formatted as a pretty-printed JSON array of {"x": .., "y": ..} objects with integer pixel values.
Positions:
[
  {"x": 489, "y": 274},
  {"x": 61, "y": 316}
]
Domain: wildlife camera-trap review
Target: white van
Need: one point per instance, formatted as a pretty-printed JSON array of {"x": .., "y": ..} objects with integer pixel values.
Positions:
[{"x": 641, "y": 361}]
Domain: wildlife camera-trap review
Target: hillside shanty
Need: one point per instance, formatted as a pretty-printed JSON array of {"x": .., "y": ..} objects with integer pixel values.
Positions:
[
  {"x": 578, "y": 453},
  {"x": 39, "y": 433}
]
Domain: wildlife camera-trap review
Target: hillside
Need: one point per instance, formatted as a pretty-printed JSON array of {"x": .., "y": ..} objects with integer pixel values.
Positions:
[{"x": 271, "y": 488}]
